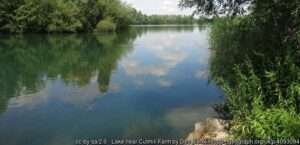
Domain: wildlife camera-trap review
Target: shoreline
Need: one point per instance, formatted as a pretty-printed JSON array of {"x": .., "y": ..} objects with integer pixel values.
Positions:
[{"x": 214, "y": 129}]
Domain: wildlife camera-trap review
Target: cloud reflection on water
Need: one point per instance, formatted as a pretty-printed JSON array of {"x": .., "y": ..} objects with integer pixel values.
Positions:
[{"x": 166, "y": 52}]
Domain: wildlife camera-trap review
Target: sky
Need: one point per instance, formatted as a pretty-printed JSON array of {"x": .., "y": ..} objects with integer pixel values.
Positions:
[{"x": 161, "y": 7}]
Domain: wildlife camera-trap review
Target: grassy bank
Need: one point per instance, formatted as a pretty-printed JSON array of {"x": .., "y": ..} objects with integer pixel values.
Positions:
[
  {"x": 256, "y": 50},
  {"x": 259, "y": 71}
]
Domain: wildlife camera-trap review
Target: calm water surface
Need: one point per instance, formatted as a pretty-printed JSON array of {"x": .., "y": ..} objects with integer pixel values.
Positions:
[{"x": 147, "y": 82}]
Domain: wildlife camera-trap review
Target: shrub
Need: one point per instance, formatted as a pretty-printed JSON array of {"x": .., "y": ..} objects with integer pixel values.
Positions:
[
  {"x": 256, "y": 62},
  {"x": 106, "y": 25},
  {"x": 252, "y": 118},
  {"x": 271, "y": 123}
]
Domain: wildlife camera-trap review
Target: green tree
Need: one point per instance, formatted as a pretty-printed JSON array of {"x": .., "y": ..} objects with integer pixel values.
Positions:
[
  {"x": 252, "y": 65},
  {"x": 32, "y": 16},
  {"x": 256, "y": 62},
  {"x": 61, "y": 15},
  {"x": 90, "y": 14},
  {"x": 217, "y": 7},
  {"x": 106, "y": 25},
  {"x": 64, "y": 17},
  {"x": 7, "y": 15}
]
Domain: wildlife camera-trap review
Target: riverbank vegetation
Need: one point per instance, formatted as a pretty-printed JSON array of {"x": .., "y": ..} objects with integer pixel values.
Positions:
[
  {"x": 138, "y": 18},
  {"x": 71, "y": 16},
  {"x": 61, "y": 15},
  {"x": 256, "y": 61}
]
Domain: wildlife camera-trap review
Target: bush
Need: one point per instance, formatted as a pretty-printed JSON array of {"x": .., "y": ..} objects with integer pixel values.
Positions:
[
  {"x": 271, "y": 123},
  {"x": 106, "y": 25},
  {"x": 261, "y": 81},
  {"x": 253, "y": 118}
]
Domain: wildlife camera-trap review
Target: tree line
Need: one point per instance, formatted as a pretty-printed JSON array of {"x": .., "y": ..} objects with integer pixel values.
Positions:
[
  {"x": 63, "y": 15},
  {"x": 138, "y": 18},
  {"x": 19, "y": 16}
]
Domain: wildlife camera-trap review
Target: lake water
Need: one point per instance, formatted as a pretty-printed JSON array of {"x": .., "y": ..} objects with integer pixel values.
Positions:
[{"x": 147, "y": 82}]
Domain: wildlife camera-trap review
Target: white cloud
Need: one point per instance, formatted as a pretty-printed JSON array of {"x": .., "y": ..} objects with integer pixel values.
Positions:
[
  {"x": 168, "y": 2},
  {"x": 158, "y": 7}
]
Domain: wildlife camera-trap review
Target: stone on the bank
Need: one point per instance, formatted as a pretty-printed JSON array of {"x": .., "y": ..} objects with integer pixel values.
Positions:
[{"x": 210, "y": 129}]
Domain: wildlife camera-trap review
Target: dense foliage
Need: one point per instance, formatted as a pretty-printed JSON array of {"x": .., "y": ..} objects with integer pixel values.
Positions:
[
  {"x": 61, "y": 15},
  {"x": 106, "y": 25},
  {"x": 218, "y": 7},
  {"x": 139, "y": 18},
  {"x": 256, "y": 62},
  {"x": 17, "y": 16}
]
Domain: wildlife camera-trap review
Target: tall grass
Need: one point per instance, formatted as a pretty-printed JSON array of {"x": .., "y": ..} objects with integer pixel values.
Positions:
[{"x": 260, "y": 76}]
